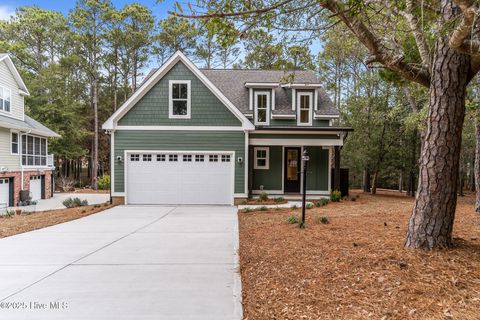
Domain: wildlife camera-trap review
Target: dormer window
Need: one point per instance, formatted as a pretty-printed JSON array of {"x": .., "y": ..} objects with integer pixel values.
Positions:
[
  {"x": 5, "y": 99},
  {"x": 179, "y": 99},
  {"x": 304, "y": 108},
  {"x": 262, "y": 107}
]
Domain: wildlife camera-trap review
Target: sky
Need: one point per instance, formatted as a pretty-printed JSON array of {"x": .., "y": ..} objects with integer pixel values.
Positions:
[{"x": 7, "y": 7}]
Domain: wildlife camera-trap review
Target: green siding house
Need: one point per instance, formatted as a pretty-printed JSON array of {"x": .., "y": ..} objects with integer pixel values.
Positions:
[{"x": 205, "y": 136}]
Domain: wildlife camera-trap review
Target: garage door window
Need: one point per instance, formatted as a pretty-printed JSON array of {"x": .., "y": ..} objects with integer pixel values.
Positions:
[
  {"x": 225, "y": 158},
  {"x": 172, "y": 157},
  {"x": 213, "y": 158},
  {"x": 199, "y": 158},
  {"x": 187, "y": 158},
  {"x": 134, "y": 157},
  {"x": 161, "y": 157},
  {"x": 147, "y": 157}
]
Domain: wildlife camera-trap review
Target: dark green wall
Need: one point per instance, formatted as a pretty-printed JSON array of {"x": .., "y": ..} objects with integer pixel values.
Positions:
[
  {"x": 317, "y": 172},
  {"x": 291, "y": 136},
  {"x": 271, "y": 179},
  {"x": 180, "y": 140},
  {"x": 206, "y": 109}
]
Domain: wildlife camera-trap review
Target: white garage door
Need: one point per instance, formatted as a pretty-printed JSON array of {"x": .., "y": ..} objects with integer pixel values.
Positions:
[
  {"x": 4, "y": 193},
  {"x": 180, "y": 178},
  {"x": 36, "y": 187}
]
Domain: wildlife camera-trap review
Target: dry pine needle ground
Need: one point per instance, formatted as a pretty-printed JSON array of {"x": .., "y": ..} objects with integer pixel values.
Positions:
[{"x": 355, "y": 267}]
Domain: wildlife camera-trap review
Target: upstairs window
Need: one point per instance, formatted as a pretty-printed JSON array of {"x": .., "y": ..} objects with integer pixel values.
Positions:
[
  {"x": 305, "y": 104},
  {"x": 34, "y": 151},
  {"x": 262, "y": 107},
  {"x": 179, "y": 99},
  {"x": 5, "y": 99},
  {"x": 14, "y": 146}
]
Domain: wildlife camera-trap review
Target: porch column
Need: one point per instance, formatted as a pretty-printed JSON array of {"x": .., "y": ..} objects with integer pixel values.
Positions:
[{"x": 336, "y": 171}]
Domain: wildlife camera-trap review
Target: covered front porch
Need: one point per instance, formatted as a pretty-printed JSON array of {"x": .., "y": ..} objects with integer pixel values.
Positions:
[{"x": 275, "y": 166}]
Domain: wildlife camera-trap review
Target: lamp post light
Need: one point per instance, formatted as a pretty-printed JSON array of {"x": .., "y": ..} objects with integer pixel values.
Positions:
[{"x": 305, "y": 159}]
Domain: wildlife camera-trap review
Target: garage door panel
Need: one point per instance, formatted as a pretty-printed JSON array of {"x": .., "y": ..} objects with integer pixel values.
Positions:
[
  {"x": 4, "y": 193},
  {"x": 185, "y": 181}
]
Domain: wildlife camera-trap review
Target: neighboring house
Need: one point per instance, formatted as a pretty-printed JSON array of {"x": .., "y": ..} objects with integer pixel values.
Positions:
[
  {"x": 24, "y": 160},
  {"x": 194, "y": 136}
]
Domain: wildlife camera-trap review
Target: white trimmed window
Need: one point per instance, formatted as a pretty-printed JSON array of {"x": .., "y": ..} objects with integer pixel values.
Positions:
[
  {"x": 262, "y": 158},
  {"x": 5, "y": 99},
  {"x": 147, "y": 157},
  {"x": 225, "y": 158},
  {"x": 262, "y": 107},
  {"x": 213, "y": 158},
  {"x": 179, "y": 99},
  {"x": 173, "y": 157},
  {"x": 304, "y": 108},
  {"x": 161, "y": 157},
  {"x": 134, "y": 157},
  {"x": 199, "y": 158},
  {"x": 14, "y": 143},
  {"x": 187, "y": 158}
]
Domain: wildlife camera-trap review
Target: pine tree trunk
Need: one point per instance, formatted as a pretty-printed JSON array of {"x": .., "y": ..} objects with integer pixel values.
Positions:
[
  {"x": 374, "y": 183},
  {"x": 476, "y": 170},
  {"x": 431, "y": 223},
  {"x": 400, "y": 182},
  {"x": 366, "y": 181},
  {"x": 95, "y": 134}
]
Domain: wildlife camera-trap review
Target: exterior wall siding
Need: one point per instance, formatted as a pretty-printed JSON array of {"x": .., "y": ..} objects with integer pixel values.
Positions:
[
  {"x": 179, "y": 140},
  {"x": 17, "y": 104},
  {"x": 317, "y": 172},
  {"x": 270, "y": 179},
  {"x": 12, "y": 162},
  {"x": 206, "y": 109}
]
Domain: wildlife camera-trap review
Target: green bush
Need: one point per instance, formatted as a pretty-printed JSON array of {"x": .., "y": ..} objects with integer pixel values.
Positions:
[
  {"x": 335, "y": 196},
  {"x": 294, "y": 207},
  {"x": 309, "y": 205},
  {"x": 244, "y": 202},
  {"x": 324, "y": 220},
  {"x": 263, "y": 196},
  {"x": 9, "y": 213},
  {"x": 74, "y": 202},
  {"x": 279, "y": 199},
  {"x": 247, "y": 210},
  {"x": 293, "y": 219},
  {"x": 263, "y": 208},
  {"x": 103, "y": 182}
]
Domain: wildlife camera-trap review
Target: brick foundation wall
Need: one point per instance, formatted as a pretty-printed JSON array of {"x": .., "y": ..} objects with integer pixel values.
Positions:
[{"x": 16, "y": 175}]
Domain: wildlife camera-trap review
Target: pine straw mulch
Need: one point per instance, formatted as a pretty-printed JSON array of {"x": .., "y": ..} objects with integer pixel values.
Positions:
[
  {"x": 11, "y": 225},
  {"x": 269, "y": 201},
  {"x": 355, "y": 267}
]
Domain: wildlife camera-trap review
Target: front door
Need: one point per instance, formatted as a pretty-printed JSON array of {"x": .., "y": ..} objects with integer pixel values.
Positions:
[{"x": 292, "y": 170}]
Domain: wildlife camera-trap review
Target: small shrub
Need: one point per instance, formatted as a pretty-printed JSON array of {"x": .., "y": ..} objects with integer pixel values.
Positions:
[
  {"x": 309, "y": 205},
  {"x": 74, "y": 202},
  {"x": 65, "y": 184},
  {"x": 353, "y": 198},
  {"x": 247, "y": 210},
  {"x": 244, "y": 202},
  {"x": 278, "y": 208},
  {"x": 263, "y": 196},
  {"x": 96, "y": 206},
  {"x": 263, "y": 208},
  {"x": 335, "y": 196},
  {"x": 84, "y": 211},
  {"x": 279, "y": 199},
  {"x": 324, "y": 220},
  {"x": 293, "y": 219},
  {"x": 103, "y": 183},
  {"x": 9, "y": 213},
  {"x": 294, "y": 207}
]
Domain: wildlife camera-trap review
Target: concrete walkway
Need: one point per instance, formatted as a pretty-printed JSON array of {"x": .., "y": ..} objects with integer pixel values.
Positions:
[
  {"x": 128, "y": 262},
  {"x": 56, "y": 202}
]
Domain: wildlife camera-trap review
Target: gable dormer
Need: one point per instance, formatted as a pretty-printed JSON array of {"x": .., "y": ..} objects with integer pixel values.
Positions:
[{"x": 12, "y": 90}]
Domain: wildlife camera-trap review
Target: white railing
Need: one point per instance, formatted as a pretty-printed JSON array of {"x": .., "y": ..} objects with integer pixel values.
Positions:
[{"x": 50, "y": 162}]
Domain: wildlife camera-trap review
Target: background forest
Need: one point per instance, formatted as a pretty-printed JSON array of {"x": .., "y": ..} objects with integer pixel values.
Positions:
[{"x": 81, "y": 67}]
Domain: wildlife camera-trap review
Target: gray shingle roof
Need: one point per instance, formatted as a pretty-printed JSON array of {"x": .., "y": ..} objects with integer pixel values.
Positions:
[
  {"x": 29, "y": 124},
  {"x": 231, "y": 82}
]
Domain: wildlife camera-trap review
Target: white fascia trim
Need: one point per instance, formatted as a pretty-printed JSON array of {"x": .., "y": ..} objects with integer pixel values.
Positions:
[
  {"x": 301, "y": 85},
  {"x": 240, "y": 195},
  {"x": 111, "y": 122},
  {"x": 112, "y": 162},
  {"x": 249, "y": 115},
  {"x": 179, "y": 128},
  {"x": 267, "y": 191},
  {"x": 315, "y": 100},
  {"x": 283, "y": 116},
  {"x": 261, "y": 84},
  {"x": 326, "y": 116},
  {"x": 295, "y": 132},
  {"x": 245, "y": 163},
  {"x": 294, "y": 98},
  {"x": 295, "y": 142},
  {"x": 16, "y": 74},
  {"x": 118, "y": 194},
  {"x": 273, "y": 99}
]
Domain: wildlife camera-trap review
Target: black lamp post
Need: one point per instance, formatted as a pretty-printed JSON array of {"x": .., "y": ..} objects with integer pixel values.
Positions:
[{"x": 305, "y": 159}]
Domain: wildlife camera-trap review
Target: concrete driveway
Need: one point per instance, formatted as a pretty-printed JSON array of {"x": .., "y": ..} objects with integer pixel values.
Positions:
[{"x": 129, "y": 262}]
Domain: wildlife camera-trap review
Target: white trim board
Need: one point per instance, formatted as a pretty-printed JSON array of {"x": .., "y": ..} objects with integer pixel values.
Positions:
[
  {"x": 295, "y": 142},
  {"x": 16, "y": 75},
  {"x": 179, "y": 128},
  {"x": 111, "y": 123}
]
